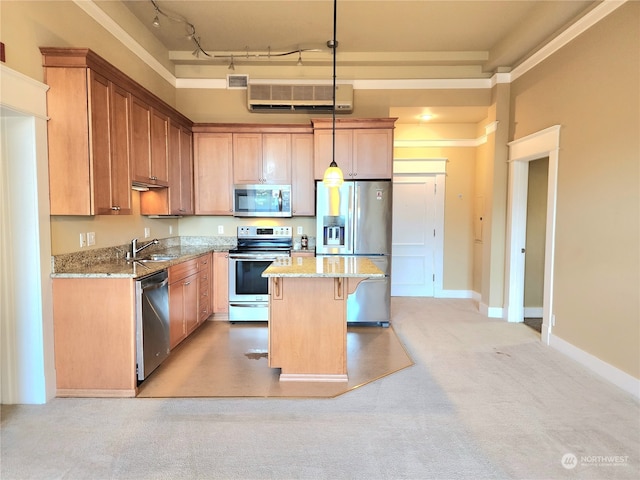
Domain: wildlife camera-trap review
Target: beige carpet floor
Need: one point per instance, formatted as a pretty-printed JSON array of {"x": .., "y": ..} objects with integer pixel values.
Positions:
[{"x": 230, "y": 360}]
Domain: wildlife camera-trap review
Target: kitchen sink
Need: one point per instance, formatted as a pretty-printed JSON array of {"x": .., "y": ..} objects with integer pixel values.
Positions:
[{"x": 156, "y": 258}]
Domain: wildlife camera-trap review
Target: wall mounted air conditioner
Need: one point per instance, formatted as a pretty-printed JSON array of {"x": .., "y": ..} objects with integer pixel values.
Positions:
[{"x": 292, "y": 98}]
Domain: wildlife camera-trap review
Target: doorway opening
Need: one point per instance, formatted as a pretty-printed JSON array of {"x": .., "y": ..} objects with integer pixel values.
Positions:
[{"x": 542, "y": 144}]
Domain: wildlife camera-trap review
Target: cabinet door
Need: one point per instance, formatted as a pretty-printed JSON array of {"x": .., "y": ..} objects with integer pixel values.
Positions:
[
  {"x": 276, "y": 158},
  {"x": 220, "y": 282},
  {"x": 110, "y": 153},
  {"x": 323, "y": 151},
  {"x": 213, "y": 177},
  {"x": 120, "y": 159},
  {"x": 204, "y": 287},
  {"x": 183, "y": 308},
  {"x": 158, "y": 168},
  {"x": 140, "y": 140},
  {"x": 247, "y": 158},
  {"x": 302, "y": 183},
  {"x": 180, "y": 170},
  {"x": 186, "y": 172},
  {"x": 177, "y": 324},
  {"x": 372, "y": 154},
  {"x": 100, "y": 148},
  {"x": 175, "y": 169}
]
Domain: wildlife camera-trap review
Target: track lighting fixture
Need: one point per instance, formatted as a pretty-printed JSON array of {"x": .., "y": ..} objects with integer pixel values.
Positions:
[{"x": 192, "y": 37}]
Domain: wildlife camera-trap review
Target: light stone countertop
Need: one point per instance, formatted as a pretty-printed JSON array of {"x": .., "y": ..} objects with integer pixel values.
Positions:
[
  {"x": 103, "y": 266},
  {"x": 323, "y": 266}
]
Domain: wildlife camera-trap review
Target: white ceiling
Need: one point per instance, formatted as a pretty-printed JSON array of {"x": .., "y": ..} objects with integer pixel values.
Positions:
[{"x": 391, "y": 39}]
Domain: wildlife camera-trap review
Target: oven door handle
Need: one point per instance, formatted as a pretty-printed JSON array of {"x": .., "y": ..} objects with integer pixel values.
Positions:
[{"x": 256, "y": 257}]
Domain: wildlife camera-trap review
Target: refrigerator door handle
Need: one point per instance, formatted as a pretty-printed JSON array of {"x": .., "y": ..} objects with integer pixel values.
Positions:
[{"x": 351, "y": 237}]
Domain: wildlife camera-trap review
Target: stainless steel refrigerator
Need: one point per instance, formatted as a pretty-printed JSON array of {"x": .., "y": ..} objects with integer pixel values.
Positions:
[{"x": 355, "y": 219}]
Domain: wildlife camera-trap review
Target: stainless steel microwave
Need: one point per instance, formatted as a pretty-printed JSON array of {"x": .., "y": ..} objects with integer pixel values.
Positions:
[{"x": 262, "y": 200}]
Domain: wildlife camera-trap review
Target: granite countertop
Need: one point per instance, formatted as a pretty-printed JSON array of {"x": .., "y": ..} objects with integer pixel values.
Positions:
[
  {"x": 110, "y": 263},
  {"x": 324, "y": 266}
]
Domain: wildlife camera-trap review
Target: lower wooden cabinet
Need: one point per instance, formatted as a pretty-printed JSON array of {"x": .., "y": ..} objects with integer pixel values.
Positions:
[
  {"x": 220, "y": 282},
  {"x": 189, "y": 297},
  {"x": 204, "y": 287}
]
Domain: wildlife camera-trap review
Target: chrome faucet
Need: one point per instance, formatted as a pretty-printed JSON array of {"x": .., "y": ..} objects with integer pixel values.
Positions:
[{"x": 134, "y": 246}]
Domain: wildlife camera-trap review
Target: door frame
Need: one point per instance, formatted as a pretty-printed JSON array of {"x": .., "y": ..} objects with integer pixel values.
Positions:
[{"x": 541, "y": 144}]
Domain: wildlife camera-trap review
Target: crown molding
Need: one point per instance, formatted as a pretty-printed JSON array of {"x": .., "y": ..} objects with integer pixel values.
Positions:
[
  {"x": 604, "y": 8},
  {"x": 99, "y": 15},
  {"x": 582, "y": 25}
]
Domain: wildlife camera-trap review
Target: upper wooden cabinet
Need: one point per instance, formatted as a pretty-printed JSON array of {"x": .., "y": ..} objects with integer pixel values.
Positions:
[
  {"x": 228, "y": 154},
  {"x": 213, "y": 178},
  {"x": 105, "y": 131},
  {"x": 303, "y": 194},
  {"x": 262, "y": 158},
  {"x": 364, "y": 147},
  {"x": 178, "y": 198},
  {"x": 149, "y": 144},
  {"x": 88, "y": 135}
]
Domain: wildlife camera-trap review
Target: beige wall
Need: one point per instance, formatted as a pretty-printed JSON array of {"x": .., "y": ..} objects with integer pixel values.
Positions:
[{"x": 590, "y": 88}]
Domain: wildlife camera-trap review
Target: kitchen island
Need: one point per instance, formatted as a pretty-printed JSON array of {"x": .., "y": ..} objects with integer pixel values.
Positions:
[{"x": 307, "y": 314}]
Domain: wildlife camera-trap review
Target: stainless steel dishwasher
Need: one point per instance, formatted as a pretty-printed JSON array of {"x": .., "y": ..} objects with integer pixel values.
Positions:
[{"x": 152, "y": 322}]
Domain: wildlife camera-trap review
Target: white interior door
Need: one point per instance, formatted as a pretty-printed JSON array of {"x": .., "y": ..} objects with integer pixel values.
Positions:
[{"x": 413, "y": 260}]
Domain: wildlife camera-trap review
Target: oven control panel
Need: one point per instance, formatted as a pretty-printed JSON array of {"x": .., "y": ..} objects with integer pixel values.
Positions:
[{"x": 258, "y": 232}]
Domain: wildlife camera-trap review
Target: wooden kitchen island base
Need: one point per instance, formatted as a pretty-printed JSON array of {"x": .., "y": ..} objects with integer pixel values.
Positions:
[{"x": 307, "y": 317}]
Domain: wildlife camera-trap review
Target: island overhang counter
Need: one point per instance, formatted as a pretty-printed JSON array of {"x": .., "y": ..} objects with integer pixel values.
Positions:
[{"x": 308, "y": 312}]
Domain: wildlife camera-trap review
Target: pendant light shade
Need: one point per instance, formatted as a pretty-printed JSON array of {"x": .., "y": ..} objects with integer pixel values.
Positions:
[{"x": 333, "y": 176}]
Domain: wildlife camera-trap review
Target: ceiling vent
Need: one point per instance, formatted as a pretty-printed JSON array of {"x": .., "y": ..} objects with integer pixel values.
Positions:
[
  {"x": 299, "y": 98},
  {"x": 237, "y": 81}
]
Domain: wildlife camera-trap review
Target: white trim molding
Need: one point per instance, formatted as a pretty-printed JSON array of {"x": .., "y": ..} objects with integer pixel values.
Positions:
[
  {"x": 545, "y": 143},
  {"x": 610, "y": 373},
  {"x": 99, "y": 15},
  {"x": 604, "y": 8},
  {"x": 23, "y": 94}
]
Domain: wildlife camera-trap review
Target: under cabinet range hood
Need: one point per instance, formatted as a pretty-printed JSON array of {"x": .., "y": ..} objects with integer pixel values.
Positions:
[
  {"x": 143, "y": 187},
  {"x": 299, "y": 97}
]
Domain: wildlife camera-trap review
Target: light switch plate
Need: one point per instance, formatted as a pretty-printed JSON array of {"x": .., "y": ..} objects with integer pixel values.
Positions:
[
  {"x": 91, "y": 238},
  {"x": 220, "y": 229},
  {"x": 83, "y": 240},
  {"x": 147, "y": 232},
  {"x": 299, "y": 230}
]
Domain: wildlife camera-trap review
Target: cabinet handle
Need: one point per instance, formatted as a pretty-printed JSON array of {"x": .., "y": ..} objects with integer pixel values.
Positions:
[
  {"x": 186, "y": 283},
  {"x": 339, "y": 279},
  {"x": 115, "y": 208},
  {"x": 276, "y": 284}
]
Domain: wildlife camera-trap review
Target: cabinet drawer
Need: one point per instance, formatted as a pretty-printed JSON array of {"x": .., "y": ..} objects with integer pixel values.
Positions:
[{"x": 183, "y": 270}]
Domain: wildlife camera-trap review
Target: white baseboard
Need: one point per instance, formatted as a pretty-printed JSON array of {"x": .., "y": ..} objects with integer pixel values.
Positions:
[
  {"x": 532, "y": 312},
  {"x": 491, "y": 312},
  {"x": 614, "y": 375}
]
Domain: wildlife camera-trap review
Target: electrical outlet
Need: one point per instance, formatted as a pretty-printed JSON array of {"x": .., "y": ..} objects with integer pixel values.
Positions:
[
  {"x": 299, "y": 230},
  {"x": 91, "y": 238},
  {"x": 83, "y": 240},
  {"x": 170, "y": 229},
  {"x": 220, "y": 229},
  {"x": 147, "y": 232}
]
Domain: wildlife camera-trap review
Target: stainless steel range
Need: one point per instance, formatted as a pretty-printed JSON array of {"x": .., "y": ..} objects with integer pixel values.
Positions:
[{"x": 248, "y": 290}]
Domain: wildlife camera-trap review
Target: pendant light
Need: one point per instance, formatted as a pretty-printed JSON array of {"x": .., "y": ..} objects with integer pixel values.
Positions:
[{"x": 333, "y": 176}]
